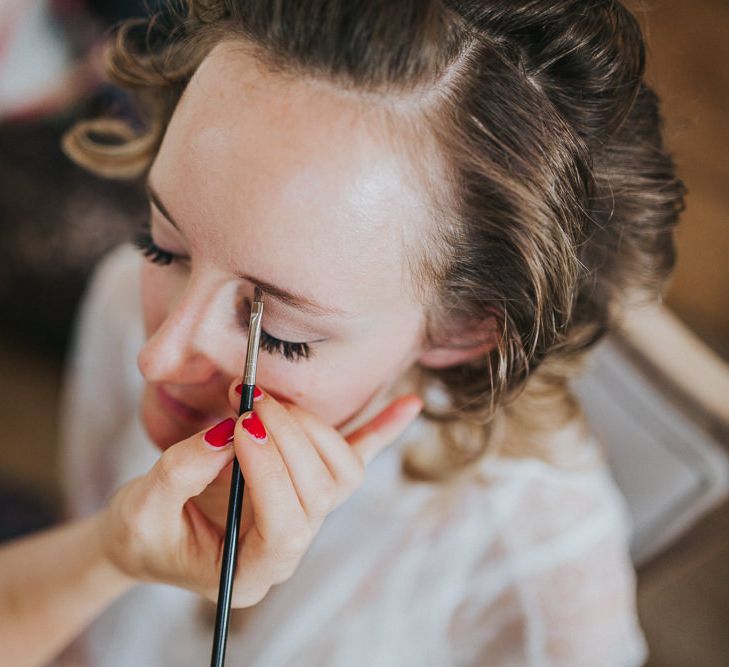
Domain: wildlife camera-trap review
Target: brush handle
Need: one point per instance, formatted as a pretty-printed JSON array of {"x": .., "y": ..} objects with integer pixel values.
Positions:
[{"x": 230, "y": 551}]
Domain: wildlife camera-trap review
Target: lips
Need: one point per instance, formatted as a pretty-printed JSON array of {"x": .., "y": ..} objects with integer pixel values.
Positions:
[{"x": 180, "y": 409}]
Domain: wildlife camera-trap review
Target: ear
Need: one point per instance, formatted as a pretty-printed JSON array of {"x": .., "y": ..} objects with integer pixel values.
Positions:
[{"x": 468, "y": 344}]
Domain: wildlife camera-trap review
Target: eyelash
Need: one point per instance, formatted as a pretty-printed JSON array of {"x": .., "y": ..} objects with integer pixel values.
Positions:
[
  {"x": 151, "y": 250},
  {"x": 288, "y": 350}
]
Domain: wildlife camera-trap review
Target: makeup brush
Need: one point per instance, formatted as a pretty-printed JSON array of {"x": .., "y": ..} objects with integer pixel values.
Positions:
[{"x": 237, "y": 485}]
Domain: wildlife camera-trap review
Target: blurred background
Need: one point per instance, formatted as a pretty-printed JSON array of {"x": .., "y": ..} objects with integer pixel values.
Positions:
[{"x": 56, "y": 221}]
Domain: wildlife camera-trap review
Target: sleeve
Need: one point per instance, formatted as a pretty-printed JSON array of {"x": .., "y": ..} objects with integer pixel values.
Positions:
[
  {"x": 555, "y": 585},
  {"x": 100, "y": 380}
]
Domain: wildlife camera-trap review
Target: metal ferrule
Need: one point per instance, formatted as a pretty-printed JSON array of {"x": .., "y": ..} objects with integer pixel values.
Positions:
[{"x": 254, "y": 337}]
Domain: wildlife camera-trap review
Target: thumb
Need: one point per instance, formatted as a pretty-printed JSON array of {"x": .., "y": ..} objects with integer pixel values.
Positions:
[{"x": 188, "y": 467}]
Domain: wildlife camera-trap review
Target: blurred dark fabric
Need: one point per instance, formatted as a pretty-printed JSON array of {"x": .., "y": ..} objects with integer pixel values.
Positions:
[
  {"x": 22, "y": 512},
  {"x": 56, "y": 220},
  {"x": 110, "y": 11}
]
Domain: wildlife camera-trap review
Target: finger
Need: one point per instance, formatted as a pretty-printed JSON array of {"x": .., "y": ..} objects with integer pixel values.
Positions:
[
  {"x": 274, "y": 501},
  {"x": 314, "y": 484},
  {"x": 185, "y": 469},
  {"x": 246, "y": 519},
  {"x": 344, "y": 464},
  {"x": 385, "y": 428},
  {"x": 235, "y": 392}
]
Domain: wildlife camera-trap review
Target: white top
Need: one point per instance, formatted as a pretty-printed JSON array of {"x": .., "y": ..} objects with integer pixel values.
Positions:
[{"x": 526, "y": 564}]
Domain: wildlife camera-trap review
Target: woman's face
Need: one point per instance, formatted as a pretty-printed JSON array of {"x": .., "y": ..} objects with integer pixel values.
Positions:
[{"x": 295, "y": 188}]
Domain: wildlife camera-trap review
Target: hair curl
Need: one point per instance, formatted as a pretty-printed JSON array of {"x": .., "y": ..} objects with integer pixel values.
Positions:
[{"x": 557, "y": 202}]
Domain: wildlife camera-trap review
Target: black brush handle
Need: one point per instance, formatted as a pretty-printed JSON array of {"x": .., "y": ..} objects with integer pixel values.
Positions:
[{"x": 230, "y": 551}]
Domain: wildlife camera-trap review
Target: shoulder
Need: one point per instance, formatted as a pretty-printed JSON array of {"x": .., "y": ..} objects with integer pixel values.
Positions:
[
  {"x": 101, "y": 382},
  {"x": 113, "y": 286},
  {"x": 545, "y": 499},
  {"x": 108, "y": 327},
  {"x": 550, "y": 559},
  {"x": 573, "y": 494},
  {"x": 527, "y": 561}
]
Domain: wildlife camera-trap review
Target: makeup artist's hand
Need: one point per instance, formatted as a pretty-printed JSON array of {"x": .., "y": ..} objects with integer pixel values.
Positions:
[
  {"x": 299, "y": 472},
  {"x": 295, "y": 476}
]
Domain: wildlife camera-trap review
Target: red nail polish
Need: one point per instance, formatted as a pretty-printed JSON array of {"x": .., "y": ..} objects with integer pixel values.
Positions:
[
  {"x": 253, "y": 424},
  {"x": 257, "y": 393},
  {"x": 220, "y": 434}
]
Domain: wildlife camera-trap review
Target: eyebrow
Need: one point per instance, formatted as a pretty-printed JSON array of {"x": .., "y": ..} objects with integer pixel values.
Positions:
[
  {"x": 293, "y": 299},
  {"x": 298, "y": 301}
]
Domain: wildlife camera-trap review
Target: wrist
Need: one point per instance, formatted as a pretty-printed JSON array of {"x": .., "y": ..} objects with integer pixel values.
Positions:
[{"x": 104, "y": 567}]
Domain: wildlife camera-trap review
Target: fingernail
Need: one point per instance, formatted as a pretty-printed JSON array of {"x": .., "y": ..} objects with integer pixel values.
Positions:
[
  {"x": 257, "y": 393},
  {"x": 220, "y": 434},
  {"x": 253, "y": 424}
]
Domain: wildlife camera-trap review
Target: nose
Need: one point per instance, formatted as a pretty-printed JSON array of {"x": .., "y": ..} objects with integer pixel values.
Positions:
[{"x": 182, "y": 349}]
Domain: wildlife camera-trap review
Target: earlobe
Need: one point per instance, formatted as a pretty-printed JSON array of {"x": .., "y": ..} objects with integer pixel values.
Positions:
[{"x": 462, "y": 348}]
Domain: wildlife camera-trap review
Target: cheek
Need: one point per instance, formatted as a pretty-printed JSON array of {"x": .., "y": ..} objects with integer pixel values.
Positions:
[
  {"x": 331, "y": 394},
  {"x": 338, "y": 387}
]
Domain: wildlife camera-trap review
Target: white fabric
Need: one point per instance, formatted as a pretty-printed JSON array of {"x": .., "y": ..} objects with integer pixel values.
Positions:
[{"x": 526, "y": 564}]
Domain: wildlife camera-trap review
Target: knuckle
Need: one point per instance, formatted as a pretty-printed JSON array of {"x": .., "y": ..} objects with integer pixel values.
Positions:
[
  {"x": 325, "y": 498},
  {"x": 127, "y": 515},
  {"x": 292, "y": 545},
  {"x": 168, "y": 474},
  {"x": 354, "y": 475},
  {"x": 286, "y": 574},
  {"x": 280, "y": 570},
  {"x": 248, "y": 597},
  {"x": 300, "y": 540},
  {"x": 284, "y": 569}
]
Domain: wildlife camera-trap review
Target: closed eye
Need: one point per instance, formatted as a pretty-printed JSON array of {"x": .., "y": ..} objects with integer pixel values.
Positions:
[
  {"x": 287, "y": 349},
  {"x": 146, "y": 245}
]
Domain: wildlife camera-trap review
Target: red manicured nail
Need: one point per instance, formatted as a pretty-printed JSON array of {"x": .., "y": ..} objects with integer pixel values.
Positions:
[
  {"x": 254, "y": 426},
  {"x": 220, "y": 434},
  {"x": 257, "y": 393}
]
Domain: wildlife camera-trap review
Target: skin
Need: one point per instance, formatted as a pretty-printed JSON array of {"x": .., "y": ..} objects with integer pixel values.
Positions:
[
  {"x": 297, "y": 185},
  {"x": 301, "y": 186}
]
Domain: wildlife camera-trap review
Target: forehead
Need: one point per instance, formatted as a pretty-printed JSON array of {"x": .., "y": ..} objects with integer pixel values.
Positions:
[{"x": 292, "y": 181}]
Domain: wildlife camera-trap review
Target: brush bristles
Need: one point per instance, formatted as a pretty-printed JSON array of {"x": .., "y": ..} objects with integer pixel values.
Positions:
[{"x": 257, "y": 294}]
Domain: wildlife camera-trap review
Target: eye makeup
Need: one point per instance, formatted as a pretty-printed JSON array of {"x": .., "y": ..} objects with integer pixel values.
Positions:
[
  {"x": 289, "y": 350},
  {"x": 145, "y": 243}
]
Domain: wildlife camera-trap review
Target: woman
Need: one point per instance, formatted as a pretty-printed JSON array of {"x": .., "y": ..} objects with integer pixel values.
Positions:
[{"x": 454, "y": 199}]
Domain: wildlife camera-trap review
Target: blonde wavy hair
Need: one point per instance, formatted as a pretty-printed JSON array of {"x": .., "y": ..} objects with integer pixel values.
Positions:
[{"x": 559, "y": 201}]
